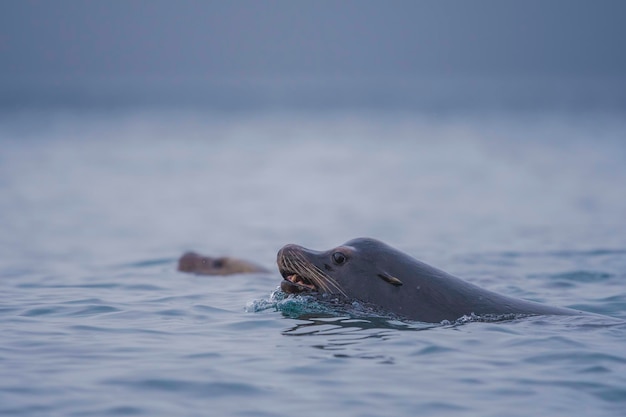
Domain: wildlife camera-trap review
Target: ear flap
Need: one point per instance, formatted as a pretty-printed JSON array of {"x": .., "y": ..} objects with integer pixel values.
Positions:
[{"x": 388, "y": 278}]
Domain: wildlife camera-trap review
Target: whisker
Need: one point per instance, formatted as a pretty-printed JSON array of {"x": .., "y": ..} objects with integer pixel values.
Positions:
[
  {"x": 296, "y": 263},
  {"x": 310, "y": 273},
  {"x": 326, "y": 282}
]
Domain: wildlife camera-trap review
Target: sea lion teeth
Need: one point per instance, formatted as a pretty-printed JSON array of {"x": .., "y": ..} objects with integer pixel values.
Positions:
[{"x": 300, "y": 281}]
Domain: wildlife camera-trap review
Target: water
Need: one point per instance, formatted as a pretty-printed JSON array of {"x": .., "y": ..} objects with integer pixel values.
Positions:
[{"x": 96, "y": 206}]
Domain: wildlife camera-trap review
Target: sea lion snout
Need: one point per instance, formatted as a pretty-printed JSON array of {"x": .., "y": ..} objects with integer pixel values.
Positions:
[
  {"x": 301, "y": 271},
  {"x": 287, "y": 252},
  {"x": 293, "y": 283},
  {"x": 289, "y": 249},
  {"x": 188, "y": 262}
]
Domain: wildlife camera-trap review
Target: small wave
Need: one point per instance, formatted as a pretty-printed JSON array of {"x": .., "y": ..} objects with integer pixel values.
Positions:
[
  {"x": 148, "y": 263},
  {"x": 142, "y": 287},
  {"x": 293, "y": 306},
  {"x": 94, "y": 310},
  {"x": 563, "y": 253},
  {"x": 107, "y": 285},
  {"x": 582, "y": 276},
  {"x": 613, "y": 306},
  {"x": 206, "y": 389},
  {"x": 43, "y": 311},
  {"x": 484, "y": 318},
  {"x": 308, "y": 307},
  {"x": 320, "y": 311},
  {"x": 124, "y": 410},
  {"x": 64, "y": 310},
  {"x": 329, "y": 311}
]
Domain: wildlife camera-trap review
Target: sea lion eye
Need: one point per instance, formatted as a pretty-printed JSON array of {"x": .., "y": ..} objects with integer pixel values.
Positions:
[{"x": 339, "y": 258}]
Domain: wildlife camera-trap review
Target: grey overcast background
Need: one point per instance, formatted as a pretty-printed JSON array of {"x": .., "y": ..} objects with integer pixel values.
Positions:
[{"x": 169, "y": 43}]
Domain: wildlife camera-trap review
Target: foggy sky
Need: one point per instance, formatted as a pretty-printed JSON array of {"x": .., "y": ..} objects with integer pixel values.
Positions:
[{"x": 291, "y": 39}]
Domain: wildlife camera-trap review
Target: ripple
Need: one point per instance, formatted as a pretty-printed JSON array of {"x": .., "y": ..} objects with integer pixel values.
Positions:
[
  {"x": 564, "y": 253},
  {"x": 94, "y": 310},
  {"x": 575, "y": 358},
  {"x": 65, "y": 310},
  {"x": 85, "y": 301},
  {"x": 124, "y": 411},
  {"x": 555, "y": 342},
  {"x": 142, "y": 287},
  {"x": 612, "y": 306},
  {"x": 6, "y": 310},
  {"x": 108, "y": 285},
  {"x": 209, "y": 309},
  {"x": 485, "y": 318},
  {"x": 612, "y": 394},
  {"x": 444, "y": 407},
  {"x": 171, "y": 298},
  {"x": 433, "y": 349},
  {"x": 204, "y": 355},
  {"x": 43, "y": 311},
  {"x": 126, "y": 330},
  {"x": 596, "y": 369},
  {"x": 245, "y": 325},
  {"x": 376, "y": 327},
  {"x": 206, "y": 389},
  {"x": 148, "y": 263},
  {"x": 172, "y": 312},
  {"x": 582, "y": 276},
  {"x": 600, "y": 390},
  {"x": 27, "y": 410}
]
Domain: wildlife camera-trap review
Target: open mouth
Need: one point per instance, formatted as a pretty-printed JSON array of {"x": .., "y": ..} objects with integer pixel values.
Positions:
[{"x": 294, "y": 283}]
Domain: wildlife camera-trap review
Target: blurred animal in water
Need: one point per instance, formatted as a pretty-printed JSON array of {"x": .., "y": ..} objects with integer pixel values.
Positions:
[{"x": 204, "y": 265}]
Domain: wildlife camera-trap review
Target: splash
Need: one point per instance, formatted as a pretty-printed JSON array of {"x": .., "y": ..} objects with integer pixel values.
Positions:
[
  {"x": 292, "y": 306},
  {"x": 308, "y": 306},
  {"x": 484, "y": 318}
]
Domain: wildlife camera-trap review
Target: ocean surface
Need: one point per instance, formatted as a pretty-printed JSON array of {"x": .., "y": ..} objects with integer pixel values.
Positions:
[{"x": 97, "y": 204}]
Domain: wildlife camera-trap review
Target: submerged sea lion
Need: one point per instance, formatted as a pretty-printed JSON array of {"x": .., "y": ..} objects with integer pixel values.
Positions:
[
  {"x": 204, "y": 265},
  {"x": 370, "y": 271}
]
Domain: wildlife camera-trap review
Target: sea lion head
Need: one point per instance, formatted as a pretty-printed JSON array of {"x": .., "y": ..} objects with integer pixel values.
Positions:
[
  {"x": 357, "y": 269},
  {"x": 193, "y": 262}
]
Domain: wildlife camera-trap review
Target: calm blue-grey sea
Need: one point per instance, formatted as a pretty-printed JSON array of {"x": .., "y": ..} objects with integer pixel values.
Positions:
[{"x": 97, "y": 204}]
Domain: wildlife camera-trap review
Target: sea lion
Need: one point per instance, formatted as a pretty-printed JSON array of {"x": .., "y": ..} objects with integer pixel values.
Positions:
[
  {"x": 373, "y": 272},
  {"x": 204, "y": 265}
]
